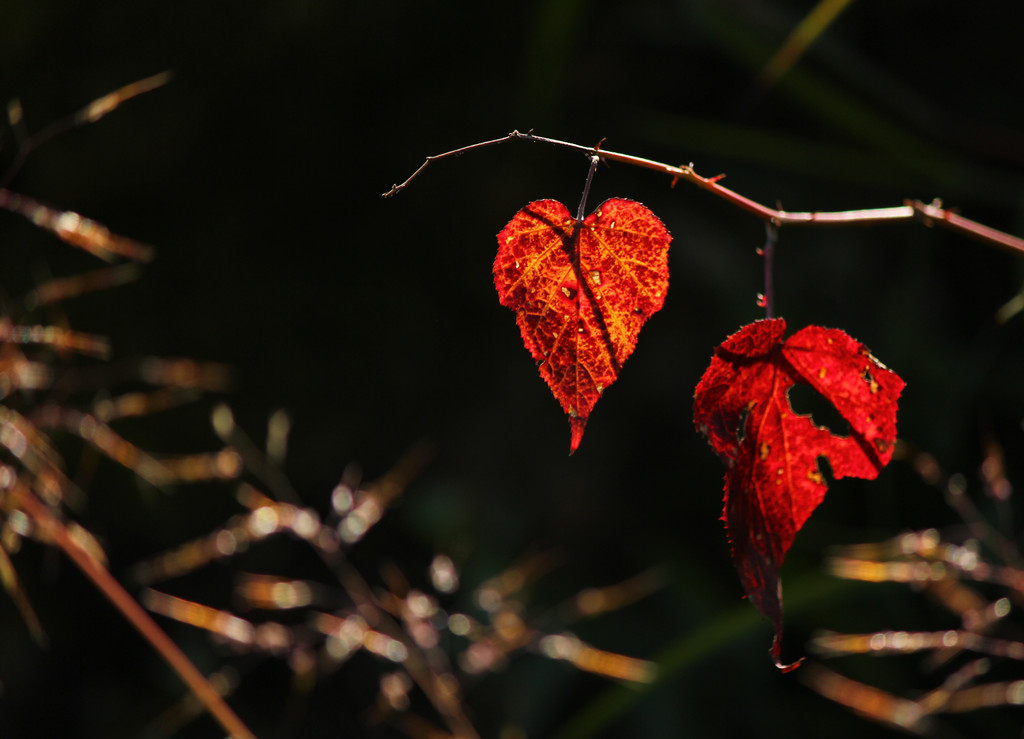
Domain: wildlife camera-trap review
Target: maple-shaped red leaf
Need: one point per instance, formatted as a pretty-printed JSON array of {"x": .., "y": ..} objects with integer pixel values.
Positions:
[
  {"x": 773, "y": 480},
  {"x": 581, "y": 292}
]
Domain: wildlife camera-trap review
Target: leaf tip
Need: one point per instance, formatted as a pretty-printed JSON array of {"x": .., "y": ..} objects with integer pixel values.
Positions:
[
  {"x": 791, "y": 666},
  {"x": 776, "y": 652},
  {"x": 576, "y": 426}
]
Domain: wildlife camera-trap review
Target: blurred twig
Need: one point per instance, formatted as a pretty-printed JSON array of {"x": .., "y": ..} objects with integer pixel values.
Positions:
[
  {"x": 943, "y": 570},
  {"x": 399, "y": 623},
  {"x": 813, "y": 25},
  {"x": 98, "y": 108},
  {"x": 55, "y": 531},
  {"x": 33, "y": 486}
]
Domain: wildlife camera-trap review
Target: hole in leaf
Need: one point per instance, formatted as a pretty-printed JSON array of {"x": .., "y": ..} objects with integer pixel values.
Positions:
[
  {"x": 825, "y": 469},
  {"x": 806, "y": 400},
  {"x": 741, "y": 425}
]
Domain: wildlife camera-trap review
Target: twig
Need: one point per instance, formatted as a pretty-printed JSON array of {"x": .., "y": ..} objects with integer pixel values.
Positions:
[
  {"x": 132, "y": 611},
  {"x": 75, "y": 229},
  {"x": 367, "y": 602},
  {"x": 91, "y": 113},
  {"x": 929, "y": 214}
]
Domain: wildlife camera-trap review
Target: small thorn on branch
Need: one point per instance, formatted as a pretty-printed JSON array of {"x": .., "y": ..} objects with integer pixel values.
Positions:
[{"x": 911, "y": 209}]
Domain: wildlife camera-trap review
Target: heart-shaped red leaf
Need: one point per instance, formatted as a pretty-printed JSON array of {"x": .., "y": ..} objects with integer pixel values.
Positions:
[
  {"x": 773, "y": 481},
  {"x": 581, "y": 292}
]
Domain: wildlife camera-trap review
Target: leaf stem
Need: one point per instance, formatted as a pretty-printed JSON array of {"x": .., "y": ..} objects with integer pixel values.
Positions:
[
  {"x": 768, "y": 252},
  {"x": 581, "y": 212},
  {"x": 929, "y": 214}
]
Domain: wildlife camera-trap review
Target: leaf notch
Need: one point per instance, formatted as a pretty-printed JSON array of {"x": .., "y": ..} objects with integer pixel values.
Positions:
[{"x": 773, "y": 480}]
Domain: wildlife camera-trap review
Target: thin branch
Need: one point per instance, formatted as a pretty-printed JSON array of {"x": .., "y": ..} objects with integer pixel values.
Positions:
[
  {"x": 75, "y": 229},
  {"x": 904, "y": 642},
  {"x": 935, "y": 213},
  {"x": 367, "y": 602},
  {"x": 91, "y": 113},
  {"x": 929, "y": 214},
  {"x": 132, "y": 611}
]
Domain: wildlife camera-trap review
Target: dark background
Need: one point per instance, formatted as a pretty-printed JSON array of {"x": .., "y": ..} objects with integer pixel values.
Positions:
[{"x": 257, "y": 173}]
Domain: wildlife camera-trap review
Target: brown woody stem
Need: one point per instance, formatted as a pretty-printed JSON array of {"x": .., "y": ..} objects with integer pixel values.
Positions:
[{"x": 929, "y": 214}]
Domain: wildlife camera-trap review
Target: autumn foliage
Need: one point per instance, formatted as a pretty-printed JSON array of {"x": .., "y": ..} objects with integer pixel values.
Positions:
[
  {"x": 773, "y": 479},
  {"x": 581, "y": 293},
  {"x": 583, "y": 288}
]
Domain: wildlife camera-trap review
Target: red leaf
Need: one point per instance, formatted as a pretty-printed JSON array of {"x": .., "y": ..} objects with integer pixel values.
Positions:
[
  {"x": 773, "y": 481},
  {"x": 582, "y": 293}
]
